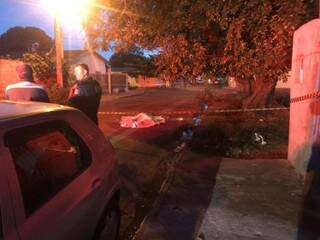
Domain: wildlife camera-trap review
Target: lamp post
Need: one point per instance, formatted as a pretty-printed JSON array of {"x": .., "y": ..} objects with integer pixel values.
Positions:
[
  {"x": 59, "y": 50},
  {"x": 68, "y": 11}
]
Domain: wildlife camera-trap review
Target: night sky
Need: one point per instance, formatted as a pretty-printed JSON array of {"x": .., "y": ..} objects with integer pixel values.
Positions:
[{"x": 29, "y": 13}]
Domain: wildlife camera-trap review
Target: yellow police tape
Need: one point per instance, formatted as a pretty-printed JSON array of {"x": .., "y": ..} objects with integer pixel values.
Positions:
[
  {"x": 305, "y": 97},
  {"x": 194, "y": 112}
]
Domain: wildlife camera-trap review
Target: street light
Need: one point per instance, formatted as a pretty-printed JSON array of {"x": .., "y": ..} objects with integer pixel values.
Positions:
[{"x": 67, "y": 12}]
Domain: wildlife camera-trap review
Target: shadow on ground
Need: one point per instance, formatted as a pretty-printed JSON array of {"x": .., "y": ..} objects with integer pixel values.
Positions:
[{"x": 181, "y": 205}]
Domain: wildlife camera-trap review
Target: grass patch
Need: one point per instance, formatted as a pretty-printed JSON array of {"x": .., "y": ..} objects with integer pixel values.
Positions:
[{"x": 234, "y": 135}]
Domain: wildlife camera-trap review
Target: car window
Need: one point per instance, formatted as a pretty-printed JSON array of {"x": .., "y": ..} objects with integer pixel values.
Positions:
[{"x": 47, "y": 157}]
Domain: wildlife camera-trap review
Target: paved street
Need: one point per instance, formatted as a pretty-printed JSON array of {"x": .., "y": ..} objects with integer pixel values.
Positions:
[
  {"x": 160, "y": 100},
  {"x": 143, "y": 153},
  {"x": 218, "y": 198}
]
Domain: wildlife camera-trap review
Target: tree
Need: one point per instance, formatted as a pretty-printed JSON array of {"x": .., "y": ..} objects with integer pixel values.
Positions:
[
  {"x": 135, "y": 62},
  {"x": 19, "y": 40},
  {"x": 259, "y": 44},
  {"x": 44, "y": 66},
  {"x": 250, "y": 40}
]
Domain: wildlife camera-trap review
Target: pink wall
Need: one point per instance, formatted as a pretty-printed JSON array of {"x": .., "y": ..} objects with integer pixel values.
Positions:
[
  {"x": 7, "y": 73},
  {"x": 149, "y": 81},
  {"x": 305, "y": 79}
]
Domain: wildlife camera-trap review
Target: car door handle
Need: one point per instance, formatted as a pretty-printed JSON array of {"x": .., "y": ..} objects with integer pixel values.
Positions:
[{"x": 96, "y": 183}]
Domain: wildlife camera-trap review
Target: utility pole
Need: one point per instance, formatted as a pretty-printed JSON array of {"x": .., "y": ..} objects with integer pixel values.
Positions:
[
  {"x": 59, "y": 50},
  {"x": 109, "y": 79}
]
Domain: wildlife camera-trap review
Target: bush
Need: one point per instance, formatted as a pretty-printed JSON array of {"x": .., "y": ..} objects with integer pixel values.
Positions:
[
  {"x": 210, "y": 140},
  {"x": 43, "y": 66},
  {"x": 235, "y": 136},
  {"x": 58, "y": 95}
]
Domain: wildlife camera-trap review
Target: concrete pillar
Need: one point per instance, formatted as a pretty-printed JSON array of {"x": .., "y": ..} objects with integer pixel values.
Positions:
[{"x": 304, "y": 127}]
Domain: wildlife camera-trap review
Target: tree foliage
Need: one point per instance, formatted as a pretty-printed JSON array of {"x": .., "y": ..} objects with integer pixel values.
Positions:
[
  {"x": 250, "y": 40},
  {"x": 19, "y": 40},
  {"x": 44, "y": 67},
  {"x": 135, "y": 62}
]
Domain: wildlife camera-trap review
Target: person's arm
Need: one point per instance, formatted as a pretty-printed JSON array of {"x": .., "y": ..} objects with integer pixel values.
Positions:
[{"x": 75, "y": 97}]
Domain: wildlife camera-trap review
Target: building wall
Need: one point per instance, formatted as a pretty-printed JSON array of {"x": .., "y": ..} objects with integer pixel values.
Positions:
[
  {"x": 284, "y": 84},
  {"x": 103, "y": 80},
  {"x": 7, "y": 73},
  {"x": 144, "y": 81},
  {"x": 119, "y": 82},
  {"x": 281, "y": 84},
  {"x": 97, "y": 69},
  {"x": 95, "y": 64},
  {"x": 132, "y": 82},
  {"x": 305, "y": 79}
]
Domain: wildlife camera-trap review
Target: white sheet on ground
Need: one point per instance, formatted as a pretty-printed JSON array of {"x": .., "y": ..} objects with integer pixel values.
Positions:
[{"x": 141, "y": 120}]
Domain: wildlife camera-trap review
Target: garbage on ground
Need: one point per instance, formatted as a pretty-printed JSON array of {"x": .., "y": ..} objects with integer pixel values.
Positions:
[
  {"x": 187, "y": 135},
  {"x": 180, "y": 147},
  {"x": 204, "y": 106},
  {"x": 141, "y": 120},
  {"x": 196, "y": 120},
  {"x": 258, "y": 138}
]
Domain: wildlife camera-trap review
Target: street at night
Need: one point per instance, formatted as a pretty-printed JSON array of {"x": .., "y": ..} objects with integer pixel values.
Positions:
[
  {"x": 159, "y": 120},
  {"x": 218, "y": 197}
]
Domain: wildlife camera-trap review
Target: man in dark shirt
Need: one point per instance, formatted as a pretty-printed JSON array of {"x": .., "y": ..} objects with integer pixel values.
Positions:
[
  {"x": 85, "y": 94},
  {"x": 26, "y": 89}
]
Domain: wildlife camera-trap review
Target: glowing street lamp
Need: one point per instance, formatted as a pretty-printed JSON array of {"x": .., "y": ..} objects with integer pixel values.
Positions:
[{"x": 71, "y": 13}]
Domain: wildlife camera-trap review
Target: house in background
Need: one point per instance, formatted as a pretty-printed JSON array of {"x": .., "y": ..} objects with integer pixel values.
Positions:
[
  {"x": 144, "y": 81},
  {"x": 99, "y": 69},
  {"x": 139, "y": 81},
  {"x": 98, "y": 65},
  {"x": 121, "y": 79}
]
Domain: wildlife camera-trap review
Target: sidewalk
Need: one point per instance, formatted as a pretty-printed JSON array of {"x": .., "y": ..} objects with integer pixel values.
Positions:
[
  {"x": 130, "y": 93},
  {"x": 226, "y": 199},
  {"x": 181, "y": 205},
  {"x": 254, "y": 199}
]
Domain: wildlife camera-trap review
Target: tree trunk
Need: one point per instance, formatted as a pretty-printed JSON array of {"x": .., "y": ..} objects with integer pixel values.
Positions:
[
  {"x": 262, "y": 94},
  {"x": 250, "y": 86}
]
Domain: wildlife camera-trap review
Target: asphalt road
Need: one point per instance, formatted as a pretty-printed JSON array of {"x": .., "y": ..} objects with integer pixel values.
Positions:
[
  {"x": 160, "y": 100},
  {"x": 140, "y": 152}
]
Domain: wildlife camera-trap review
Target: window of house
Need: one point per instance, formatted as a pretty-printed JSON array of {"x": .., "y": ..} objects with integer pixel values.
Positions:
[{"x": 47, "y": 157}]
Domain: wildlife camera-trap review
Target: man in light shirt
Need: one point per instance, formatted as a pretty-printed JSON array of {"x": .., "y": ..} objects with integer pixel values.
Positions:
[{"x": 26, "y": 89}]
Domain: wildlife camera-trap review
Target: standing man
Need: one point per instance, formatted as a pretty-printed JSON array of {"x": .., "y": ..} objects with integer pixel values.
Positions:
[
  {"x": 85, "y": 94},
  {"x": 26, "y": 89}
]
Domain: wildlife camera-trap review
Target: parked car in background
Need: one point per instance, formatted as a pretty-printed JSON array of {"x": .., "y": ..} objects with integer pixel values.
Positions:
[{"x": 57, "y": 175}]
